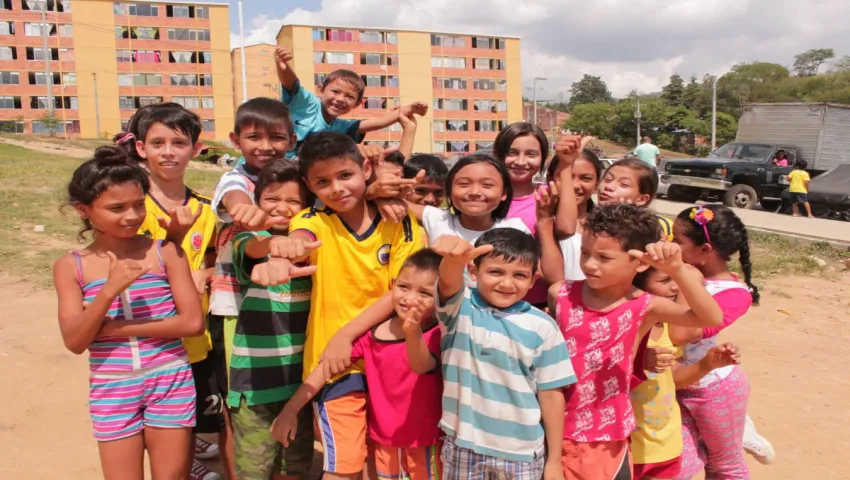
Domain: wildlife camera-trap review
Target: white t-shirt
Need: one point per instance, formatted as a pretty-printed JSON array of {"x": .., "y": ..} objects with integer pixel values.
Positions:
[
  {"x": 571, "y": 248},
  {"x": 438, "y": 222}
]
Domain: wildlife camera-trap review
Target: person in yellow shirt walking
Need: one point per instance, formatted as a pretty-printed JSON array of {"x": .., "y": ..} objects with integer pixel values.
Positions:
[{"x": 800, "y": 189}]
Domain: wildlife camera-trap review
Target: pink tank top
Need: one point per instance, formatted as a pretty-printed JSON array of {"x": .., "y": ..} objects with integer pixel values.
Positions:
[{"x": 601, "y": 346}]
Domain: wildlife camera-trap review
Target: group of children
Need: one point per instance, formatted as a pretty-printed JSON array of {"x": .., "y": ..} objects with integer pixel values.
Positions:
[{"x": 421, "y": 322}]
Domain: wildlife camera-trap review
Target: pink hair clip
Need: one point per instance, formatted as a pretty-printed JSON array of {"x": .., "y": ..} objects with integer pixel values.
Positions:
[
  {"x": 126, "y": 137},
  {"x": 702, "y": 216}
]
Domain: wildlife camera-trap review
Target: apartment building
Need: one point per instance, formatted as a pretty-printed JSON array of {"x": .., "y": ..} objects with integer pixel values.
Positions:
[
  {"x": 259, "y": 71},
  {"x": 109, "y": 58},
  {"x": 471, "y": 82}
]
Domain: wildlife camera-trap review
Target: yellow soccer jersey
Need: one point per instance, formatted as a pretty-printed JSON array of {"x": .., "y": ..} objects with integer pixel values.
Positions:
[
  {"x": 354, "y": 271},
  {"x": 197, "y": 243},
  {"x": 666, "y": 228}
]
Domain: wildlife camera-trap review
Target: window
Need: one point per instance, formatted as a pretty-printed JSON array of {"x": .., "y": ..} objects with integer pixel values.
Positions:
[
  {"x": 43, "y": 128},
  {"x": 145, "y": 101},
  {"x": 374, "y": 80},
  {"x": 39, "y": 5},
  {"x": 450, "y": 104},
  {"x": 144, "y": 33},
  {"x": 10, "y": 102},
  {"x": 483, "y": 42},
  {"x": 180, "y": 57},
  {"x": 448, "y": 62},
  {"x": 392, "y": 82},
  {"x": 457, "y": 146},
  {"x": 392, "y": 37},
  {"x": 448, "y": 41},
  {"x": 207, "y": 102},
  {"x": 179, "y": 11},
  {"x": 40, "y": 78},
  {"x": 206, "y": 79},
  {"x": 11, "y": 126},
  {"x": 125, "y": 124},
  {"x": 71, "y": 126},
  {"x": 41, "y": 103},
  {"x": 450, "y": 83},
  {"x": 457, "y": 125},
  {"x": 370, "y": 58},
  {"x": 319, "y": 78},
  {"x": 202, "y": 12},
  {"x": 375, "y": 103},
  {"x": 143, "y": 10},
  {"x": 392, "y": 59},
  {"x": 7, "y": 28},
  {"x": 124, "y": 56},
  {"x": 139, "y": 79},
  {"x": 208, "y": 125},
  {"x": 147, "y": 56},
  {"x": 8, "y": 53},
  {"x": 439, "y": 126},
  {"x": 34, "y": 53},
  {"x": 340, "y": 58},
  {"x": 489, "y": 64},
  {"x": 121, "y": 32},
  {"x": 9, "y": 78},
  {"x": 39, "y": 29},
  {"x": 66, "y": 30},
  {"x": 491, "y": 106},
  {"x": 339, "y": 35},
  {"x": 125, "y": 79},
  {"x": 439, "y": 147},
  {"x": 318, "y": 57},
  {"x": 66, "y": 54},
  {"x": 178, "y": 34},
  {"x": 319, "y": 35},
  {"x": 482, "y": 84},
  {"x": 184, "y": 80},
  {"x": 489, "y": 125},
  {"x": 119, "y": 9},
  {"x": 69, "y": 79},
  {"x": 126, "y": 103},
  {"x": 5, "y": 4}
]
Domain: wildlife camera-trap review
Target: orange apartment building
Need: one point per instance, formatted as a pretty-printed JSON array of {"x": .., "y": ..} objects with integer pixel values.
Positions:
[
  {"x": 260, "y": 72},
  {"x": 109, "y": 58},
  {"x": 472, "y": 82}
]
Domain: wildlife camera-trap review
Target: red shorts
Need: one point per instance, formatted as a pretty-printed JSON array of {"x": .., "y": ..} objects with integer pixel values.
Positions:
[
  {"x": 668, "y": 469},
  {"x": 596, "y": 460}
]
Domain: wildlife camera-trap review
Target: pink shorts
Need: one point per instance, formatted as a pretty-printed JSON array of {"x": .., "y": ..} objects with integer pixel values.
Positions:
[{"x": 668, "y": 469}]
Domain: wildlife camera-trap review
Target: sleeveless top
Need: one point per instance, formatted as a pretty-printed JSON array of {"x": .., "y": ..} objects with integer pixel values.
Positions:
[
  {"x": 149, "y": 297},
  {"x": 601, "y": 345}
]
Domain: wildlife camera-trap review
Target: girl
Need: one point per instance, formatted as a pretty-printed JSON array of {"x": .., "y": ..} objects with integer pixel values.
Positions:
[
  {"x": 602, "y": 318},
  {"x": 715, "y": 409},
  {"x": 129, "y": 300}
]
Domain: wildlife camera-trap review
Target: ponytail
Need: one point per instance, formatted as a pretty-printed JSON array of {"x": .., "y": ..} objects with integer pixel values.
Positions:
[{"x": 747, "y": 267}]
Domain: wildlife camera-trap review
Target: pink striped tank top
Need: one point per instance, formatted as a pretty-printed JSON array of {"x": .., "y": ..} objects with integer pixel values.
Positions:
[{"x": 149, "y": 297}]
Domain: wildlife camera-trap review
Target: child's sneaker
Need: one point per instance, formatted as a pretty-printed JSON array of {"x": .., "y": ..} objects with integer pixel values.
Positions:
[
  {"x": 756, "y": 445},
  {"x": 205, "y": 450},
  {"x": 200, "y": 472}
]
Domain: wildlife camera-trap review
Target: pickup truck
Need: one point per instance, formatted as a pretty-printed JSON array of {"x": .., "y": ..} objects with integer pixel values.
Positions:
[{"x": 743, "y": 173}]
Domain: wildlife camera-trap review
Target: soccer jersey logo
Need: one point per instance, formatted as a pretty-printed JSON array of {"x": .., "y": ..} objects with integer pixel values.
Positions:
[
  {"x": 196, "y": 240},
  {"x": 384, "y": 254}
]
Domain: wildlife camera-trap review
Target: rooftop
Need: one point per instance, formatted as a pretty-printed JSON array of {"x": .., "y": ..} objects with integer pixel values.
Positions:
[
  {"x": 391, "y": 29},
  {"x": 183, "y": 2}
]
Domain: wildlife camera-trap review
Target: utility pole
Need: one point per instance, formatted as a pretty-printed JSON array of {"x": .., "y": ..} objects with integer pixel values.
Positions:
[
  {"x": 637, "y": 117},
  {"x": 242, "y": 54},
  {"x": 96, "y": 108},
  {"x": 713, "y": 112},
  {"x": 48, "y": 76},
  {"x": 535, "y": 96}
]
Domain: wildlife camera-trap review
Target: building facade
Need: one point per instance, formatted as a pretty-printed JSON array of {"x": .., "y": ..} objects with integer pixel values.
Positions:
[
  {"x": 260, "y": 73},
  {"x": 549, "y": 119},
  {"x": 109, "y": 58},
  {"x": 472, "y": 83}
]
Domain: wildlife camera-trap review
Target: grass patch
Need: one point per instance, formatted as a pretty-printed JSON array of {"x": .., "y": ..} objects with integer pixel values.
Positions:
[
  {"x": 84, "y": 143},
  {"x": 775, "y": 255}
]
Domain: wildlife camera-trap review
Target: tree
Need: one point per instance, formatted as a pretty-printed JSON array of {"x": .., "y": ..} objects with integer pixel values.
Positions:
[
  {"x": 592, "y": 118},
  {"x": 589, "y": 90},
  {"x": 691, "y": 93},
  {"x": 843, "y": 64},
  {"x": 674, "y": 92},
  {"x": 49, "y": 122},
  {"x": 807, "y": 63}
]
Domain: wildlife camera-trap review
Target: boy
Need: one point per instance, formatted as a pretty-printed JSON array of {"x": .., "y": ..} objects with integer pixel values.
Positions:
[
  {"x": 504, "y": 361},
  {"x": 167, "y": 142},
  {"x": 800, "y": 188},
  {"x": 359, "y": 257},
  {"x": 263, "y": 132},
  {"x": 266, "y": 361},
  {"x": 341, "y": 92},
  {"x": 402, "y": 358},
  {"x": 432, "y": 190}
]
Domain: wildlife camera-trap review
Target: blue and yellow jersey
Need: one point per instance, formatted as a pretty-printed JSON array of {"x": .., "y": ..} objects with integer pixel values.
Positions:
[
  {"x": 198, "y": 242},
  {"x": 353, "y": 271}
]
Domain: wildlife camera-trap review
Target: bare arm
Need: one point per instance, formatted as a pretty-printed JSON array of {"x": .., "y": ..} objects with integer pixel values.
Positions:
[
  {"x": 719, "y": 356},
  {"x": 233, "y": 198},
  {"x": 551, "y": 258},
  {"x": 701, "y": 311},
  {"x": 552, "y": 405},
  {"x": 451, "y": 277},
  {"x": 285, "y": 425},
  {"x": 416, "y": 209},
  {"x": 78, "y": 325},
  {"x": 566, "y": 217},
  {"x": 337, "y": 354},
  {"x": 384, "y": 121},
  {"x": 285, "y": 73},
  {"x": 420, "y": 358},
  {"x": 408, "y": 135}
]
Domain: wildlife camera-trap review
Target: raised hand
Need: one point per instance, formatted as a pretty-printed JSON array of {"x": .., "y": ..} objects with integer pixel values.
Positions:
[
  {"x": 457, "y": 250},
  {"x": 389, "y": 184},
  {"x": 122, "y": 274},
  {"x": 415, "y": 108},
  {"x": 547, "y": 200},
  {"x": 282, "y": 57},
  {"x": 722, "y": 355},
  {"x": 665, "y": 256},
  {"x": 392, "y": 210},
  {"x": 277, "y": 271},
  {"x": 568, "y": 149},
  {"x": 179, "y": 223},
  {"x": 250, "y": 217},
  {"x": 411, "y": 319},
  {"x": 292, "y": 248}
]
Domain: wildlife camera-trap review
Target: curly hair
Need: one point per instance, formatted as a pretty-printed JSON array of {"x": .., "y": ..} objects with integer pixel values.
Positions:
[
  {"x": 727, "y": 235},
  {"x": 634, "y": 227}
]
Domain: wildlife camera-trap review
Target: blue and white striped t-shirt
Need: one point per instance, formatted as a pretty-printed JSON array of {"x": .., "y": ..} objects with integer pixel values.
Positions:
[{"x": 494, "y": 362}]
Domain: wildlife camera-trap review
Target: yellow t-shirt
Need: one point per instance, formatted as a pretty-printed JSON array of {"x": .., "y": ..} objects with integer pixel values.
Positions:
[
  {"x": 354, "y": 271},
  {"x": 197, "y": 243},
  {"x": 666, "y": 228},
  {"x": 658, "y": 437},
  {"x": 798, "y": 181}
]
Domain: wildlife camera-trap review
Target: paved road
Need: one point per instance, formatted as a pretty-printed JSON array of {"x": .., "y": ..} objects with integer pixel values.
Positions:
[{"x": 786, "y": 225}]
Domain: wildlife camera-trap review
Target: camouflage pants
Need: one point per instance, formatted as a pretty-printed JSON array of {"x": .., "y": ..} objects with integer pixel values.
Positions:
[{"x": 258, "y": 454}]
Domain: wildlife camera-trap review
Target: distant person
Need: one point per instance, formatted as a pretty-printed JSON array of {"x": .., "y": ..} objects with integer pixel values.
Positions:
[
  {"x": 648, "y": 152},
  {"x": 780, "y": 160},
  {"x": 800, "y": 189}
]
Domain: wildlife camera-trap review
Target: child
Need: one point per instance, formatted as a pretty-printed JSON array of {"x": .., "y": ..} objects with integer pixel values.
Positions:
[
  {"x": 631, "y": 180},
  {"x": 799, "y": 189},
  {"x": 340, "y": 93},
  {"x": 431, "y": 191},
  {"x": 359, "y": 257},
  {"x": 127, "y": 139},
  {"x": 263, "y": 132},
  {"x": 656, "y": 444},
  {"x": 504, "y": 362},
  {"x": 265, "y": 366},
  {"x": 602, "y": 318},
  {"x": 709, "y": 236},
  {"x": 398, "y": 390},
  {"x": 586, "y": 172},
  {"x": 139, "y": 303}
]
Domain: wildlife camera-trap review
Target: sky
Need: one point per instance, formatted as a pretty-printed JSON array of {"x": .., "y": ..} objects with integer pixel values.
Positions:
[{"x": 632, "y": 45}]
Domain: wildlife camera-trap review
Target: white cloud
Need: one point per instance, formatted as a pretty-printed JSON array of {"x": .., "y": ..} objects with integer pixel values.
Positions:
[{"x": 631, "y": 45}]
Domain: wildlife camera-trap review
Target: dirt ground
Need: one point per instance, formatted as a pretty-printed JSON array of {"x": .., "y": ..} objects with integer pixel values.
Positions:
[{"x": 792, "y": 347}]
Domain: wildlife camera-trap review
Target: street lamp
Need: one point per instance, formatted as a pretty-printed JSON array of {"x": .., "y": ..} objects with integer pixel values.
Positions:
[{"x": 535, "y": 96}]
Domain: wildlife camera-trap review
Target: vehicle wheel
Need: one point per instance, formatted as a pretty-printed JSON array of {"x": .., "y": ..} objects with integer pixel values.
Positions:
[
  {"x": 680, "y": 193},
  {"x": 771, "y": 205},
  {"x": 741, "y": 196}
]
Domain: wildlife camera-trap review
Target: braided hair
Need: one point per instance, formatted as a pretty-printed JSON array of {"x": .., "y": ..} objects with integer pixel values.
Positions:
[{"x": 728, "y": 236}]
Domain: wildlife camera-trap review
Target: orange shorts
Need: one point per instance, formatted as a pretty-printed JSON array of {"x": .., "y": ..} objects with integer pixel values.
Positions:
[
  {"x": 341, "y": 425},
  {"x": 596, "y": 460},
  {"x": 415, "y": 463}
]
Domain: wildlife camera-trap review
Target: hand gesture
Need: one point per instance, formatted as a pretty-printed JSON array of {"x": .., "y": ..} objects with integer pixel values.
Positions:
[
  {"x": 122, "y": 274},
  {"x": 277, "y": 271},
  {"x": 179, "y": 223},
  {"x": 664, "y": 256},
  {"x": 722, "y": 355},
  {"x": 407, "y": 122},
  {"x": 547, "y": 200},
  {"x": 285, "y": 426},
  {"x": 282, "y": 57},
  {"x": 415, "y": 108},
  {"x": 389, "y": 184},
  {"x": 411, "y": 318},
  {"x": 250, "y": 217},
  {"x": 457, "y": 250},
  {"x": 293, "y": 249},
  {"x": 392, "y": 210},
  {"x": 375, "y": 154},
  {"x": 569, "y": 148},
  {"x": 658, "y": 359}
]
